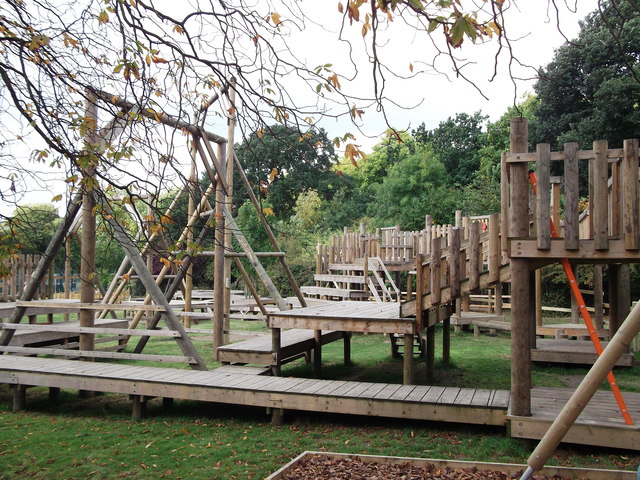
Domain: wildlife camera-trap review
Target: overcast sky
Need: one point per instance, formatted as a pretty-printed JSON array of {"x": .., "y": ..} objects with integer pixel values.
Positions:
[{"x": 434, "y": 97}]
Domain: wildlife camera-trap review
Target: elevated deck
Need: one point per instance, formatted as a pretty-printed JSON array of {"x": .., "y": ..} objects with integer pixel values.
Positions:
[{"x": 578, "y": 352}]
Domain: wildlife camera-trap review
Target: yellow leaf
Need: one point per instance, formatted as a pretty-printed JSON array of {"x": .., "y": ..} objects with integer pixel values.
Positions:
[
  {"x": 273, "y": 174},
  {"x": 340, "y": 7},
  {"x": 276, "y": 18},
  {"x": 178, "y": 29},
  {"x": 259, "y": 133},
  {"x": 411, "y": 67},
  {"x": 103, "y": 17},
  {"x": 57, "y": 198},
  {"x": 268, "y": 211},
  {"x": 156, "y": 59},
  {"x": 165, "y": 262}
]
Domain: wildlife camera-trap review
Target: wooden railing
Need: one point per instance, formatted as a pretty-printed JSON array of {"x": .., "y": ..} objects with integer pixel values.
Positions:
[
  {"x": 464, "y": 261},
  {"x": 608, "y": 231},
  {"x": 20, "y": 268}
]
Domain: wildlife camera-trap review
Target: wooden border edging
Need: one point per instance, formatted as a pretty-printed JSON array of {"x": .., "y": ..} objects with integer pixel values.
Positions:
[{"x": 565, "y": 472}]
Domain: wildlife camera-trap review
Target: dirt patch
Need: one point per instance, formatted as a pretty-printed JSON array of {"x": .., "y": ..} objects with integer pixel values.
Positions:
[{"x": 320, "y": 467}]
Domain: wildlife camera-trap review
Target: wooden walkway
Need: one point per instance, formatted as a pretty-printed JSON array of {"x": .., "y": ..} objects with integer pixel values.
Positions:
[
  {"x": 579, "y": 352},
  {"x": 448, "y": 404},
  {"x": 599, "y": 424}
]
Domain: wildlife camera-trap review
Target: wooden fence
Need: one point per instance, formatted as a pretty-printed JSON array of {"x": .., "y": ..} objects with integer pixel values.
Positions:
[{"x": 21, "y": 268}]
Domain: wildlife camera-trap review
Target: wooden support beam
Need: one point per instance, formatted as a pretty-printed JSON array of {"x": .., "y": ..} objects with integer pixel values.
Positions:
[
  {"x": 631, "y": 203},
  {"x": 407, "y": 364},
  {"x": 184, "y": 342},
  {"x": 600, "y": 199},
  {"x": 571, "y": 197},
  {"x": 543, "y": 198},
  {"x": 520, "y": 301}
]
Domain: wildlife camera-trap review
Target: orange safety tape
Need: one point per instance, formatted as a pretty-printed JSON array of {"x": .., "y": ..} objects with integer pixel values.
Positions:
[{"x": 568, "y": 270}]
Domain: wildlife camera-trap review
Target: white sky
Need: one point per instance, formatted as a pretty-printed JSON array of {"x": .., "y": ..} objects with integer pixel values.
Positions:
[{"x": 437, "y": 96}]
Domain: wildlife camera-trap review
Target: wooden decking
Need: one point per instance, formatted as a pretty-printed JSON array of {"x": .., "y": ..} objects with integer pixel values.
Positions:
[
  {"x": 295, "y": 343},
  {"x": 599, "y": 424},
  {"x": 579, "y": 352},
  {"x": 347, "y": 316},
  {"x": 448, "y": 404},
  {"x": 58, "y": 333}
]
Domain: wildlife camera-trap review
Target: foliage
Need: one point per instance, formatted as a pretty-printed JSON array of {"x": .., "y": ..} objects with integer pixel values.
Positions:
[
  {"x": 284, "y": 162},
  {"x": 591, "y": 89},
  {"x": 457, "y": 143},
  {"x": 413, "y": 187}
]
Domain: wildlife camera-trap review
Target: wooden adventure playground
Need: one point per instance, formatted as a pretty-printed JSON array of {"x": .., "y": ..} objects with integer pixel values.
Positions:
[{"x": 396, "y": 283}]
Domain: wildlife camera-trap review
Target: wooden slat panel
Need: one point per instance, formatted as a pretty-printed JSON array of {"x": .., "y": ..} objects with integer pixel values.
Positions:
[
  {"x": 435, "y": 270},
  {"x": 449, "y": 395},
  {"x": 454, "y": 262},
  {"x": 600, "y": 196},
  {"x": 494, "y": 247},
  {"x": 481, "y": 397},
  {"x": 543, "y": 209},
  {"x": 571, "y": 196},
  {"x": 631, "y": 205},
  {"x": 433, "y": 395},
  {"x": 465, "y": 396}
]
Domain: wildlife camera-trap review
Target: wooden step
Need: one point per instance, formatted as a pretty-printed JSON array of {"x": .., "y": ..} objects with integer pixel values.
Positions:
[
  {"x": 243, "y": 369},
  {"x": 326, "y": 277},
  {"x": 335, "y": 292}
]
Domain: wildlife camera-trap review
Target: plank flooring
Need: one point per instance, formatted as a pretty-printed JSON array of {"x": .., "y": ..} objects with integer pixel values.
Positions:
[
  {"x": 579, "y": 352},
  {"x": 354, "y": 398},
  {"x": 374, "y": 317},
  {"x": 600, "y": 423}
]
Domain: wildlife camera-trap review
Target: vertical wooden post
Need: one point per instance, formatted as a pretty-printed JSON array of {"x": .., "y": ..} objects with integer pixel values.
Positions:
[
  {"x": 317, "y": 353},
  {"x": 188, "y": 279},
  {"x": 431, "y": 349},
  {"x": 504, "y": 204},
  {"x": 420, "y": 291},
  {"x": 538, "y": 290},
  {"x": 575, "y": 309},
  {"x": 67, "y": 271},
  {"x": 88, "y": 246},
  {"x": 475, "y": 257},
  {"x": 407, "y": 361},
  {"x": 276, "y": 346},
  {"x": 615, "y": 319},
  {"x": 19, "y": 397},
  {"x": 520, "y": 299},
  {"x": 228, "y": 236},
  {"x": 446, "y": 335},
  {"x": 218, "y": 264},
  {"x": 346, "y": 347},
  {"x": 598, "y": 302}
]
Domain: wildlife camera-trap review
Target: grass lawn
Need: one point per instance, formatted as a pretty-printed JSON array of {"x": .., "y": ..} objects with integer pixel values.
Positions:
[{"x": 95, "y": 438}]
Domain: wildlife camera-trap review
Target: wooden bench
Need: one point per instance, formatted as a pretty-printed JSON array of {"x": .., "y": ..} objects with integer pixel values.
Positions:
[
  {"x": 295, "y": 344},
  {"x": 339, "y": 279}
]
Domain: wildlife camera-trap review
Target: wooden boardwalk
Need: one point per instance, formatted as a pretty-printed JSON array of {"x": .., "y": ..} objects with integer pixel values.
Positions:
[
  {"x": 599, "y": 424},
  {"x": 448, "y": 404},
  {"x": 579, "y": 352}
]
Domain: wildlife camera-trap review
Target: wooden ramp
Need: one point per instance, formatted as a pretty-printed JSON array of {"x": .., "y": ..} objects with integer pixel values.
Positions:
[
  {"x": 295, "y": 344},
  {"x": 579, "y": 352},
  {"x": 599, "y": 424},
  {"x": 447, "y": 404}
]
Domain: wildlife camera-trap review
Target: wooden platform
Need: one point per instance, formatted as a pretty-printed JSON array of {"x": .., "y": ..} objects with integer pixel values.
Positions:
[
  {"x": 564, "y": 330},
  {"x": 447, "y": 404},
  {"x": 331, "y": 292},
  {"x": 57, "y": 333},
  {"x": 579, "y": 352},
  {"x": 599, "y": 424},
  {"x": 258, "y": 351},
  {"x": 346, "y": 316},
  {"x": 470, "y": 318}
]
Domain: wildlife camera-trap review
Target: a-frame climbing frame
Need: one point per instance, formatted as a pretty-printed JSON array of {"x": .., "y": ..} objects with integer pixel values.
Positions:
[{"x": 219, "y": 169}]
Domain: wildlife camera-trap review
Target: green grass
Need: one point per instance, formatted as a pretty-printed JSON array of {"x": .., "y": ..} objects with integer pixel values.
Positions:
[{"x": 95, "y": 438}]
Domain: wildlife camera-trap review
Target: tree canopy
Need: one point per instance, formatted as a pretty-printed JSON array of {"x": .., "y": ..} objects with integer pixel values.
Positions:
[{"x": 591, "y": 89}]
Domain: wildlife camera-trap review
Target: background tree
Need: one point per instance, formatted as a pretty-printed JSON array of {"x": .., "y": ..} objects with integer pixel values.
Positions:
[
  {"x": 285, "y": 162},
  {"x": 591, "y": 89},
  {"x": 457, "y": 142}
]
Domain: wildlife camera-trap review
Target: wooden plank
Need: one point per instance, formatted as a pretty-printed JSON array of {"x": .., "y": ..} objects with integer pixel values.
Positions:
[
  {"x": 481, "y": 397},
  {"x": 454, "y": 263},
  {"x": 433, "y": 395},
  {"x": 611, "y": 154},
  {"x": 500, "y": 399},
  {"x": 543, "y": 197},
  {"x": 631, "y": 205},
  {"x": 587, "y": 251},
  {"x": 475, "y": 256},
  {"x": 94, "y": 330},
  {"x": 402, "y": 393},
  {"x": 95, "y": 354},
  {"x": 372, "y": 390},
  {"x": 600, "y": 196},
  {"x": 436, "y": 273}
]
